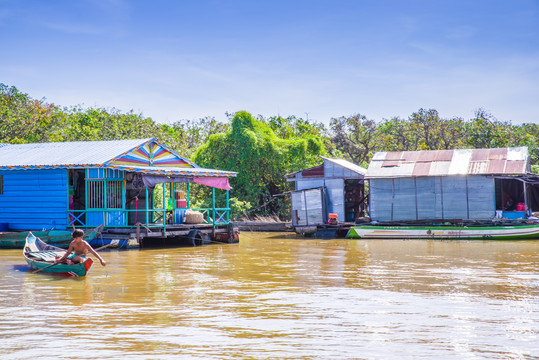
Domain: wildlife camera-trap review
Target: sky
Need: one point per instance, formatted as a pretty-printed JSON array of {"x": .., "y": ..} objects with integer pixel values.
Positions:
[{"x": 172, "y": 60}]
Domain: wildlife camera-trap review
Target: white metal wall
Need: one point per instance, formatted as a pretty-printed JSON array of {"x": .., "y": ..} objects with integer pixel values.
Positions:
[
  {"x": 308, "y": 207},
  {"x": 432, "y": 198}
]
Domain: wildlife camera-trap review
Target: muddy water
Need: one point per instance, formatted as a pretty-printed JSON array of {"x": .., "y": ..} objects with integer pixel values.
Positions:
[{"x": 276, "y": 297}]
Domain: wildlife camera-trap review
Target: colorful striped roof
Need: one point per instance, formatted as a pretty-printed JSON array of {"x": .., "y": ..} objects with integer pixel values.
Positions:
[{"x": 140, "y": 155}]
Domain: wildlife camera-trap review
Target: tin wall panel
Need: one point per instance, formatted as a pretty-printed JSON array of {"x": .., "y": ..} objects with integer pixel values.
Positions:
[
  {"x": 381, "y": 199},
  {"x": 307, "y": 207},
  {"x": 454, "y": 199},
  {"x": 298, "y": 209},
  {"x": 404, "y": 199},
  {"x": 309, "y": 184},
  {"x": 332, "y": 171},
  {"x": 481, "y": 197},
  {"x": 426, "y": 198},
  {"x": 335, "y": 194}
]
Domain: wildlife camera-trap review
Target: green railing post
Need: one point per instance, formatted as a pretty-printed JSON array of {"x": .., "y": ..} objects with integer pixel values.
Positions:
[
  {"x": 164, "y": 207},
  {"x": 227, "y": 206},
  {"x": 213, "y": 204},
  {"x": 86, "y": 192},
  {"x": 147, "y": 212},
  {"x": 188, "y": 195},
  {"x": 126, "y": 217}
]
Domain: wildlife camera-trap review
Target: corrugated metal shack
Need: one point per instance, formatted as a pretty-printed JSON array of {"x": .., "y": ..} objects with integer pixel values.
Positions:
[
  {"x": 122, "y": 184},
  {"x": 451, "y": 185},
  {"x": 335, "y": 186}
]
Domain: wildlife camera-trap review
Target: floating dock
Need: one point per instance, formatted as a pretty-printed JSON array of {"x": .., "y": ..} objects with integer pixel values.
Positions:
[{"x": 171, "y": 236}]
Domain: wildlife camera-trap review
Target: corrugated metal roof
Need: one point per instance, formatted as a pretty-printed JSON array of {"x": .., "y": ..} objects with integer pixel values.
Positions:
[
  {"x": 59, "y": 154},
  {"x": 347, "y": 165},
  {"x": 90, "y": 154},
  {"x": 318, "y": 171},
  {"x": 499, "y": 161}
]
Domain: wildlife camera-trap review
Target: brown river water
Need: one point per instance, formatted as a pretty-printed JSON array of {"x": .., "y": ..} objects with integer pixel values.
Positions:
[{"x": 273, "y": 296}]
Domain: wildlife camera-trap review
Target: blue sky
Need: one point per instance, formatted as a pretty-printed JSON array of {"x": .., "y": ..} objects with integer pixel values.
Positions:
[{"x": 172, "y": 60}]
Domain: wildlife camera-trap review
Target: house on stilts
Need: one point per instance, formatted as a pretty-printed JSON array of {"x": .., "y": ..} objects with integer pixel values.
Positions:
[
  {"x": 452, "y": 186},
  {"x": 334, "y": 189},
  {"x": 138, "y": 189}
]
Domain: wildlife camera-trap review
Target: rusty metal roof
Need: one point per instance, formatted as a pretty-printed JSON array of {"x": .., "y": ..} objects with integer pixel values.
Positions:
[{"x": 499, "y": 161}]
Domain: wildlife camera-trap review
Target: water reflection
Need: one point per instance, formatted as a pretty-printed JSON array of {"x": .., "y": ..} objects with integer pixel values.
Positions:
[{"x": 275, "y": 296}]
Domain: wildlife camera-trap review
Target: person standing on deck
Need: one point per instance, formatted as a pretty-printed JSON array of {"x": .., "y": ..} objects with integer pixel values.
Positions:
[{"x": 76, "y": 253}]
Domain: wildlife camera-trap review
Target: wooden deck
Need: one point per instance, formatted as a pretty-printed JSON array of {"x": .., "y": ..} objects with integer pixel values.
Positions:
[{"x": 171, "y": 236}]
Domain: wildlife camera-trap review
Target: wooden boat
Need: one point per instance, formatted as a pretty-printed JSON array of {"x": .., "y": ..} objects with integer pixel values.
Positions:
[
  {"x": 60, "y": 238},
  {"x": 40, "y": 256},
  {"x": 502, "y": 232}
]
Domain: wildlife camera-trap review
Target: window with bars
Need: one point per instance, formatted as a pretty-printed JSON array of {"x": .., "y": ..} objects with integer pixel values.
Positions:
[{"x": 105, "y": 194}]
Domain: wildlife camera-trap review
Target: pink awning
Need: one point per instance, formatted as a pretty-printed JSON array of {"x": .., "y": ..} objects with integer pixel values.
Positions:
[{"x": 216, "y": 182}]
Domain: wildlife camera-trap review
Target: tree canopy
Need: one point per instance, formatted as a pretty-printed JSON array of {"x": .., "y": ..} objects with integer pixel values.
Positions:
[{"x": 261, "y": 159}]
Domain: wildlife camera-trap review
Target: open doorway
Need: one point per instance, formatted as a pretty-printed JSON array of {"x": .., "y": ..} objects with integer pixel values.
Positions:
[
  {"x": 510, "y": 195},
  {"x": 135, "y": 202},
  {"x": 77, "y": 197},
  {"x": 354, "y": 199}
]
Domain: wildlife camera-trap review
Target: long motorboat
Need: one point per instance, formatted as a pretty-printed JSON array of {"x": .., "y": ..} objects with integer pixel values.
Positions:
[
  {"x": 501, "y": 232},
  {"x": 40, "y": 256},
  {"x": 60, "y": 238}
]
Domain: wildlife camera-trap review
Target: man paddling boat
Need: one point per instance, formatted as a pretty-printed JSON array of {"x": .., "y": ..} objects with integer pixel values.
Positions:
[{"x": 76, "y": 253}]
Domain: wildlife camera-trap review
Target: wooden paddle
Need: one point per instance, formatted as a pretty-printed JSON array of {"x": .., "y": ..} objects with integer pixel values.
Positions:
[{"x": 48, "y": 266}]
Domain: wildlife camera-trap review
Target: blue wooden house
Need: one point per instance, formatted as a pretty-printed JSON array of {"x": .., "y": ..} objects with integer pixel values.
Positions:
[{"x": 116, "y": 183}]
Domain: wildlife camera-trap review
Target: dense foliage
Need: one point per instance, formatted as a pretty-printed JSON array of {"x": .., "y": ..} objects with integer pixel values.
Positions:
[
  {"x": 261, "y": 159},
  {"x": 262, "y": 150}
]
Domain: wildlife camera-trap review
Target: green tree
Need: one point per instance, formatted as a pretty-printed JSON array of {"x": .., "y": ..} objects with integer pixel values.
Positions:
[
  {"x": 26, "y": 120},
  {"x": 430, "y": 132},
  {"x": 109, "y": 124},
  {"x": 356, "y": 137},
  {"x": 261, "y": 159},
  {"x": 396, "y": 134},
  {"x": 188, "y": 135},
  {"x": 484, "y": 131}
]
